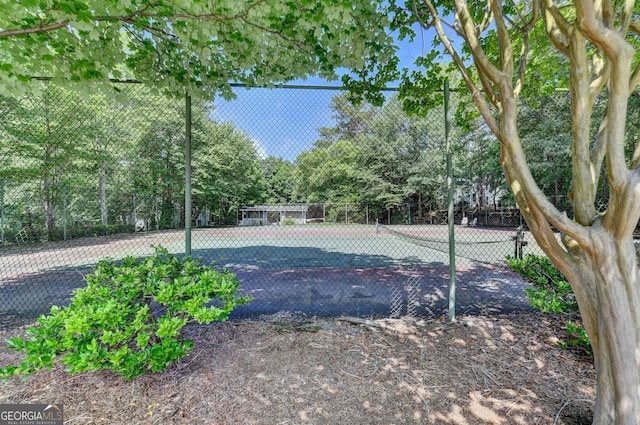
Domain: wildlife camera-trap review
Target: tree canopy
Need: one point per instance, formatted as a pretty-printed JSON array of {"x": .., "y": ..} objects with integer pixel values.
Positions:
[{"x": 188, "y": 45}]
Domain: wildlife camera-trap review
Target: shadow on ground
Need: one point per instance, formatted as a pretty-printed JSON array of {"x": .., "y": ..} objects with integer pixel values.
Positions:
[{"x": 313, "y": 281}]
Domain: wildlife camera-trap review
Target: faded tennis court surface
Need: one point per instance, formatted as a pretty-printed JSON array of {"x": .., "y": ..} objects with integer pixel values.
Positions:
[{"x": 323, "y": 270}]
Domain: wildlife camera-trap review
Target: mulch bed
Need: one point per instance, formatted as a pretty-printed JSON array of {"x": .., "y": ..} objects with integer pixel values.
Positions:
[{"x": 287, "y": 369}]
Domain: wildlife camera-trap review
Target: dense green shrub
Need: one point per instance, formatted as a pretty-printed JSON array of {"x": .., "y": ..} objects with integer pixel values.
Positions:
[
  {"x": 551, "y": 293},
  {"x": 27, "y": 235},
  {"x": 129, "y": 316},
  {"x": 580, "y": 338},
  {"x": 41, "y": 235},
  {"x": 90, "y": 231}
]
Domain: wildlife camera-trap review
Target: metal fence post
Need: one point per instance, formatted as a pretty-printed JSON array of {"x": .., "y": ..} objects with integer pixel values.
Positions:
[
  {"x": 187, "y": 177},
  {"x": 452, "y": 246}
]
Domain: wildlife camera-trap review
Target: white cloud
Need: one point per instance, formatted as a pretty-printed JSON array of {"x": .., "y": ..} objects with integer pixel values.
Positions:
[{"x": 260, "y": 149}]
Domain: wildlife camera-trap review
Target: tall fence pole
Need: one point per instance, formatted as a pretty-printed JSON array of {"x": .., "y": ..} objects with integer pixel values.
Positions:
[
  {"x": 450, "y": 217},
  {"x": 187, "y": 177}
]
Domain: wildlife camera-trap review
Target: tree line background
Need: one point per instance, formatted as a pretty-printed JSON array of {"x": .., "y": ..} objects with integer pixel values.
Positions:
[{"x": 110, "y": 162}]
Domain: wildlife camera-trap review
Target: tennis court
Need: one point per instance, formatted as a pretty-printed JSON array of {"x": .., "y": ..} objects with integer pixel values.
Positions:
[{"x": 315, "y": 269}]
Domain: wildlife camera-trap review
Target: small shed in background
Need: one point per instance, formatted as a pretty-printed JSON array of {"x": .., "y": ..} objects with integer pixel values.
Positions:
[{"x": 263, "y": 215}]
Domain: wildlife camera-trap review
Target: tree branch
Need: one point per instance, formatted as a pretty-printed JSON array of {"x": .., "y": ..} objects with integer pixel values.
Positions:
[
  {"x": 521, "y": 179},
  {"x": 620, "y": 54},
  {"x": 58, "y": 25},
  {"x": 635, "y": 159},
  {"x": 522, "y": 65},
  {"x": 526, "y": 32},
  {"x": 626, "y": 17},
  {"x": 429, "y": 25},
  {"x": 504, "y": 40},
  {"x": 478, "y": 99},
  {"x": 513, "y": 159},
  {"x": 468, "y": 27},
  {"x": 129, "y": 17},
  {"x": 601, "y": 70},
  {"x": 547, "y": 240},
  {"x": 39, "y": 29},
  {"x": 144, "y": 12},
  {"x": 487, "y": 72},
  {"x": 582, "y": 182},
  {"x": 635, "y": 78},
  {"x": 488, "y": 87},
  {"x": 486, "y": 21},
  {"x": 556, "y": 26},
  {"x": 634, "y": 27},
  {"x": 598, "y": 152}
]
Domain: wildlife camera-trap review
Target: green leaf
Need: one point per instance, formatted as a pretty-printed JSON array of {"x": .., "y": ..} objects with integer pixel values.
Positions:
[{"x": 100, "y": 330}]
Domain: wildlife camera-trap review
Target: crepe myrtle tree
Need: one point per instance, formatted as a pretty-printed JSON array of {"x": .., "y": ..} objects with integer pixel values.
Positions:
[
  {"x": 188, "y": 45},
  {"x": 507, "y": 50}
]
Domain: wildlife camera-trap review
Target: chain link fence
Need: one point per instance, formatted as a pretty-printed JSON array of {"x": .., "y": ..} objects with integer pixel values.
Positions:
[{"x": 319, "y": 206}]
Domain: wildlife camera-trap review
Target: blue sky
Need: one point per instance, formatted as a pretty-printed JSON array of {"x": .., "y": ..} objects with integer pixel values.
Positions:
[{"x": 284, "y": 122}]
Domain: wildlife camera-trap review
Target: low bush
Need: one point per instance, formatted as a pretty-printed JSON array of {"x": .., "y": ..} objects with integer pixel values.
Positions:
[
  {"x": 90, "y": 231},
  {"x": 42, "y": 235},
  {"x": 551, "y": 293},
  {"x": 129, "y": 316}
]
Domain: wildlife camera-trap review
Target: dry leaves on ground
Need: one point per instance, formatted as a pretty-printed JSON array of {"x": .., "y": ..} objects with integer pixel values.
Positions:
[{"x": 486, "y": 370}]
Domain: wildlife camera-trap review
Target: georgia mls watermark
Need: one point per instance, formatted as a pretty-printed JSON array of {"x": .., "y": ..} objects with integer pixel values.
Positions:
[{"x": 31, "y": 414}]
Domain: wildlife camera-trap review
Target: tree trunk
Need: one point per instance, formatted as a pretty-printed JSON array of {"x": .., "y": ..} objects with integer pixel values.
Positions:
[
  {"x": 103, "y": 195},
  {"x": 49, "y": 204},
  {"x": 606, "y": 282},
  {"x": 617, "y": 335},
  {"x": 50, "y": 213}
]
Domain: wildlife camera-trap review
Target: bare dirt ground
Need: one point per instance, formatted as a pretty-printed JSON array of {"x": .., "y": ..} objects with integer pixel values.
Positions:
[{"x": 287, "y": 370}]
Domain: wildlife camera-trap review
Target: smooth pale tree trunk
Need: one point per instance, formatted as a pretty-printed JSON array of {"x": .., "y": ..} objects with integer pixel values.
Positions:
[
  {"x": 606, "y": 285},
  {"x": 605, "y": 279},
  {"x": 616, "y": 339},
  {"x": 598, "y": 257},
  {"x": 599, "y": 261}
]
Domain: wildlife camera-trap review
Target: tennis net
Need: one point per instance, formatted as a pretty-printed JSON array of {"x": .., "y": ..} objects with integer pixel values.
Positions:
[{"x": 487, "y": 246}]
